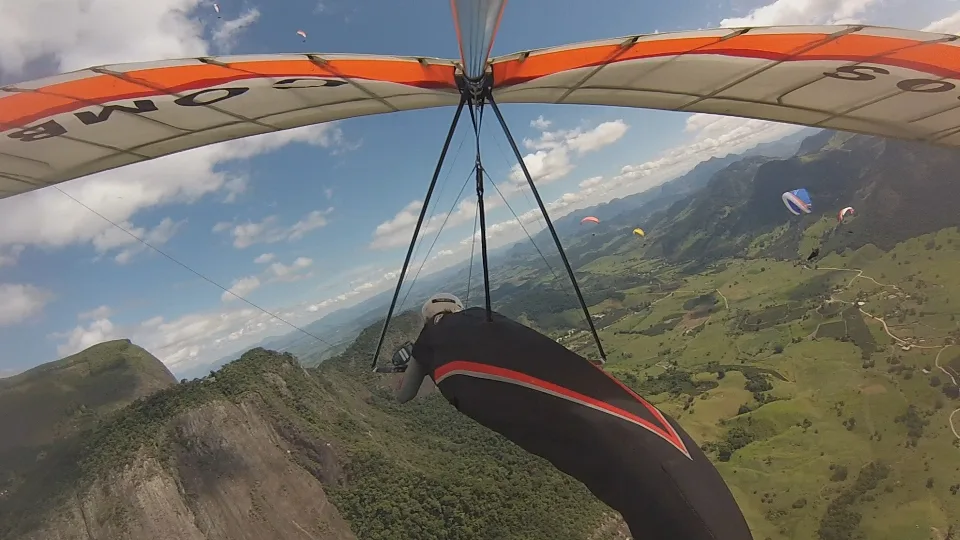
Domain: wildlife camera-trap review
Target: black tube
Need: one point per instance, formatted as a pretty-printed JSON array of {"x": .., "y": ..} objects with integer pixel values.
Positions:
[
  {"x": 416, "y": 230},
  {"x": 483, "y": 218},
  {"x": 553, "y": 231},
  {"x": 483, "y": 240}
]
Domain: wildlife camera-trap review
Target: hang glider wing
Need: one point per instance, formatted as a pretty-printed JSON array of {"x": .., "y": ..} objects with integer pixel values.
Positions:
[
  {"x": 88, "y": 121},
  {"x": 879, "y": 81}
]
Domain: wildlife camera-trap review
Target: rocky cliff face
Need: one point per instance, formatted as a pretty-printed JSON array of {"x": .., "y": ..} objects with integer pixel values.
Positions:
[
  {"x": 228, "y": 476},
  {"x": 204, "y": 460}
]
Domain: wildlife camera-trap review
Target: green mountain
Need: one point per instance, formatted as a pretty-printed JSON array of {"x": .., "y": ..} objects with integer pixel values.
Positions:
[
  {"x": 265, "y": 449},
  {"x": 900, "y": 190},
  {"x": 58, "y": 399},
  {"x": 47, "y": 410},
  {"x": 633, "y": 210}
]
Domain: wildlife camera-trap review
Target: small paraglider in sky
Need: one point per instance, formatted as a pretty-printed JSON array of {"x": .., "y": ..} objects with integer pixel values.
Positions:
[
  {"x": 844, "y": 213},
  {"x": 590, "y": 219},
  {"x": 302, "y": 34},
  {"x": 639, "y": 232},
  {"x": 797, "y": 201},
  {"x": 216, "y": 7}
]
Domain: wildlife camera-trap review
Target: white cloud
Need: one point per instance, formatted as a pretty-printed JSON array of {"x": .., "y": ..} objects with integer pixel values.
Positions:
[
  {"x": 82, "y": 337},
  {"x": 294, "y": 272},
  {"x": 120, "y": 193},
  {"x": 591, "y": 182},
  {"x": 265, "y": 258},
  {"x": 313, "y": 220},
  {"x": 184, "y": 343},
  {"x": 225, "y": 37},
  {"x": 235, "y": 187},
  {"x": 19, "y": 302},
  {"x": 540, "y": 123},
  {"x": 241, "y": 287},
  {"x": 550, "y": 162},
  {"x": 791, "y": 12},
  {"x": 390, "y": 233},
  {"x": 101, "y": 312},
  {"x": 74, "y": 34},
  {"x": 365, "y": 285},
  {"x": 276, "y": 272},
  {"x": 947, "y": 25},
  {"x": 114, "y": 238},
  {"x": 268, "y": 231}
]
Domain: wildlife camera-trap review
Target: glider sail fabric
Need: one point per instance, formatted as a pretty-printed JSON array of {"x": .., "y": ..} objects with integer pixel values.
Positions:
[
  {"x": 476, "y": 23},
  {"x": 879, "y": 81},
  {"x": 88, "y": 121},
  {"x": 557, "y": 405}
]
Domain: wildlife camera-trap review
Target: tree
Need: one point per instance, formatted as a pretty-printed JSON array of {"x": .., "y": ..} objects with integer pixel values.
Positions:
[{"x": 934, "y": 381}]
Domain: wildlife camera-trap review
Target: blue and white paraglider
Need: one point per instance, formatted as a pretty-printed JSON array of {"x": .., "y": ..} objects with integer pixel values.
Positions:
[{"x": 797, "y": 201}]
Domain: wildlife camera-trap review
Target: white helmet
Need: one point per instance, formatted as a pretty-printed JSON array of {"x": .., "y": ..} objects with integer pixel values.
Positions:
[{"x": 441, "y": 303}]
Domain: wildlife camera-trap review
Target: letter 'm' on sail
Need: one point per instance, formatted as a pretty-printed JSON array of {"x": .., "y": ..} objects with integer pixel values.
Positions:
[{"x": 879, "y": 81}]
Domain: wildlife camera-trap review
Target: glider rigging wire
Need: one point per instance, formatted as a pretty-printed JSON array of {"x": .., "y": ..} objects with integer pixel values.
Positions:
[
  {"x": 191, "y": 270},
  {"x": 443, "y": 186},
  {"x": 546, "y": 217},
  {"x": 437, "y": 237},
  {"x": 474, "y": 94},
  {"x": 416, "y": 229},
  {"x": 522, "y": 226},
  {"x": 473, "y": 246}
]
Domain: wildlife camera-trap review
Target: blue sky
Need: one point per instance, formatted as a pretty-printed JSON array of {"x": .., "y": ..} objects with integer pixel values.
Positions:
[{"x": 312, "y": 221}]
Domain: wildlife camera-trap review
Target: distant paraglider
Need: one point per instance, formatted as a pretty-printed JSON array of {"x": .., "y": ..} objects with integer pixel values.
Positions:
[
  {"x": 216, "y": 7},
  {"x": 844, "y": 213},
  {"x": 302, "y": 34},
  {"x": 797, "y": 201},
  {"x": 590, "y": 219},
  {"x": 639, "y": 232}
]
